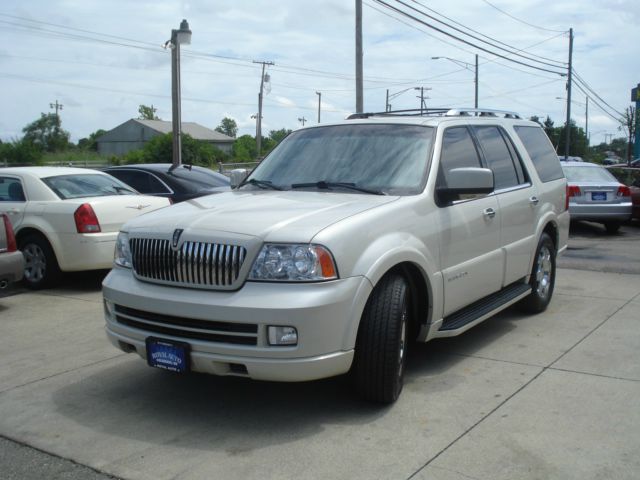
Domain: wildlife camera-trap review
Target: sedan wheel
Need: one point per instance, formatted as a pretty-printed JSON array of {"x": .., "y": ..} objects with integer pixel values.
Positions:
[{"x": 41, "y": 267}]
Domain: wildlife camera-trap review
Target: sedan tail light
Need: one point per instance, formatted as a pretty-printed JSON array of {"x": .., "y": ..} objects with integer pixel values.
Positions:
[
  {"x": 86, "y": 219},
  {"x": 624, "y": 191},
  {"x": 573, "y": 191},
  {"x": 11, "y": 238}
]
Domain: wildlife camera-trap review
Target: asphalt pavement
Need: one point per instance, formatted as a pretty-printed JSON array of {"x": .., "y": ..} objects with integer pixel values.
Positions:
[{"x": 550, "y": 396}]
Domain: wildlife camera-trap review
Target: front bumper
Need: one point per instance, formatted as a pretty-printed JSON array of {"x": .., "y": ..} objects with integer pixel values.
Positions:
[{"x": 325, "y": 315}]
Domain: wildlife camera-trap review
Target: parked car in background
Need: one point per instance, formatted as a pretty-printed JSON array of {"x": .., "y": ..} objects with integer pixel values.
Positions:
[
  {"x": 11, "y": 259},
  {"x": 631, "y": 178},
  {"x": 570, "y": 158},
  {"x": 179, "y": 184},
  {"x": 596, "y": 195},
  {"x": 67, "y": 219}
]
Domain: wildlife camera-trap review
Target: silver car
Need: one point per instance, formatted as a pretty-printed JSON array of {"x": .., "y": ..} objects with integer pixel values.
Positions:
[{"x": 595, "y": 195}]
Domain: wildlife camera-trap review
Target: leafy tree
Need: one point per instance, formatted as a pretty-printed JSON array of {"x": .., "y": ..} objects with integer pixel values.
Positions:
[
  {"x": 278, "y": 135},
  {"x": 628, "y": 124},
  {"x": 536, "y": 119},
  {"x": 244, "y": 149},
  {"x": 46, "y": 133},
  {"x": 20, "y": 152},
  {"x": 160, "y": 150},
  {"x": 228, "y": 126},
  {"x": 147, "y": 112},
  {"x": 579, "y": 144},
  {"x": 90, "y": 143}
]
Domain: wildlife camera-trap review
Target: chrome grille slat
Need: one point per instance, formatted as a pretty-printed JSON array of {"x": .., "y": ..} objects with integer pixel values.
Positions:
[{"x": 196, "y": 264}]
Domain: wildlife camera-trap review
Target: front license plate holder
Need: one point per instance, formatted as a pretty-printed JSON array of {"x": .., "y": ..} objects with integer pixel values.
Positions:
[
  {"x": 168, "y": 354},
  {"x": 599, "y": 196}
]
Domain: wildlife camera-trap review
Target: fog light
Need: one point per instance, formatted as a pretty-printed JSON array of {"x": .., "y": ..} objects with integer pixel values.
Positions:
[{"x": 283, "y": 335}]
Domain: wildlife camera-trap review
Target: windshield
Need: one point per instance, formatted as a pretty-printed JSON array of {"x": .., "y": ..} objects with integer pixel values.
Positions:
[
  {"x": 588, "y": 174},
  {"x": 90, "y": 185},
  {"x": 384, "y": 158}
]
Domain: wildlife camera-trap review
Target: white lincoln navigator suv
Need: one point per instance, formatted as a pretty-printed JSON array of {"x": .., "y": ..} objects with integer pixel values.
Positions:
[{"x": 348, "y": 242}]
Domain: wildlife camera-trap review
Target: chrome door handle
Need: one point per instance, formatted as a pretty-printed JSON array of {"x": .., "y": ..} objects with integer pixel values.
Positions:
[
  {"x": 489, "y": 212},
  {"x": 534, "y": 200}
]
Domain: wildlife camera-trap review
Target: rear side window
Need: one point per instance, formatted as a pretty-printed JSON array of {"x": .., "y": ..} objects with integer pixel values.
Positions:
[
  {"x": 11, "y": 190},
  {"x": 498, "y": 157},
  {"x": 542, "y": 155}
]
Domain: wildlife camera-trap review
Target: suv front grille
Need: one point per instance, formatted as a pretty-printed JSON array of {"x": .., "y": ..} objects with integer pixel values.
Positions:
[
  {"x": 188, "y": 328},
  {"x": 195, "y": 264}
]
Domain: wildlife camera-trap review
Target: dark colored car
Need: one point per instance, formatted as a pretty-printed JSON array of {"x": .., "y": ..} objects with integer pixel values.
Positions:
[
  {"x": 631, "y": 178},
  {"x": 179, "y": 184}
]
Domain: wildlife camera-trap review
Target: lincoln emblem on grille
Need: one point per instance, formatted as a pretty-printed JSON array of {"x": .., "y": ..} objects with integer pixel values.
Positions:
[{"x": 176, "y": 238}]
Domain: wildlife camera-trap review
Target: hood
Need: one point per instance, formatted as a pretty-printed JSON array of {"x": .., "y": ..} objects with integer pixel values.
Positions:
[{"x": 287, "y": 216}]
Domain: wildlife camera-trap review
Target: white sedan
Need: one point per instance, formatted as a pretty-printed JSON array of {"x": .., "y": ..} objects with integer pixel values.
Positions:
[{"x": 67, "y": 219}]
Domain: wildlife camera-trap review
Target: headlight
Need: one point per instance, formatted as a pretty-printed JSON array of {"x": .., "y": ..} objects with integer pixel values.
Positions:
[
  {"x": 123, "y": 252},
  {"x": 293, "y": 263}
]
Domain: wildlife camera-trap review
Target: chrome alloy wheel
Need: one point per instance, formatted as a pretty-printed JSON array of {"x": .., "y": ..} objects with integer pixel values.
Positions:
[
  {"x": 35, "y": 262},
  {"x": 543, "y": 272}
]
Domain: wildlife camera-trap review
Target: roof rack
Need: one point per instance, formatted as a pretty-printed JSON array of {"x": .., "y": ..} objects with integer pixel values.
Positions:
[{"x": 438, "y": 112}]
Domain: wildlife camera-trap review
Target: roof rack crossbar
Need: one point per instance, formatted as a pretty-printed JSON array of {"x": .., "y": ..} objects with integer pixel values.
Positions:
[{"x": 447, "y": 112}]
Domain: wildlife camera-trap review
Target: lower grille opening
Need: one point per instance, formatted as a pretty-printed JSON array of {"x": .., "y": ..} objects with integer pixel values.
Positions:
[
  {"x": 238, "y": 368},
  {"x": 188, "y": 328}
]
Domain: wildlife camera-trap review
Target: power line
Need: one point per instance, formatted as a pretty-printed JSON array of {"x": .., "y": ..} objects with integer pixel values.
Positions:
[
  {"x": 586, "y": 85},
  {"x": 522, "y": 21},
  {"x": 381, "y": 2},
  {"x": 511, "y": 50},
  {"x": 487, "y": 36}
]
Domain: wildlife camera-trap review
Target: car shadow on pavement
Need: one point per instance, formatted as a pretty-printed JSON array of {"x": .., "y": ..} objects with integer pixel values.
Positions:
[{"x": 238, "y": 415}]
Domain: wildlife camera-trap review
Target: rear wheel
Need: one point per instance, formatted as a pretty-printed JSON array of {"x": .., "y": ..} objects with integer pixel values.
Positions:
[
  {"x": 543, "y": 276},
  {"x": 612, "y": 227},
  {"x": 381, "y": 347},
  {"x": 41, "y": 267}
]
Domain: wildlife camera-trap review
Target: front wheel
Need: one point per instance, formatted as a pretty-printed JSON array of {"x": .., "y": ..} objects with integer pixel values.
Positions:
[
  {"x": 381, "y": 347},
  {"x": 543, "y": 276}
]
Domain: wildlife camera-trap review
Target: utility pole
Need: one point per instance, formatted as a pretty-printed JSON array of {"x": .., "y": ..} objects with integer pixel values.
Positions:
[
  {"x": 259, "y": 119},
  {"x": 359, "y": 81},
  {"x": 302, "y": 120},
  {"x": 569, "y": 81},
  {"x": 57, "y": 106},
  {"x": 586, "y": 119},
  {"x": 387, "y": 107},
  {"x": 423, "y": 105},
  {"x": 319, "y": 103},
  {"x": 178, "y": 37},
  {"x": 476, "y": 82}
]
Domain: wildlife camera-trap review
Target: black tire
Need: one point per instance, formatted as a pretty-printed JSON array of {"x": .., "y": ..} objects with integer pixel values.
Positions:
[
  {"x": 543, "y": 277},
  {"x": 612, "y": 227},
  {"x": 381, "y": 348},
  {"x": 41, "y": 268}
]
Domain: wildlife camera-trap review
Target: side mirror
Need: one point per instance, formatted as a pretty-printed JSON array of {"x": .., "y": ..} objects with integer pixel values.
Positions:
[
  {"x": 238, "y": 176},
  {"x": 466, "y": 181}
]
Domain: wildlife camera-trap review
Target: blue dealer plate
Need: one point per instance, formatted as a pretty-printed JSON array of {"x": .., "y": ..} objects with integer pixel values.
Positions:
[
  {"x": 599, "y": 196},
  {"x": 168, "y": 354}
]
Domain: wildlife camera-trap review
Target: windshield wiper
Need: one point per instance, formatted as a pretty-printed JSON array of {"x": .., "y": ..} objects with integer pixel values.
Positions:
[
  {"x": 261, "y": 183},
  {"x": 324, "y": 185}
]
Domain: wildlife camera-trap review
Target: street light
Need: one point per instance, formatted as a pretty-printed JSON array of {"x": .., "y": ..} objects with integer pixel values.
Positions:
[
  {"x": 178, "y": 37},
  {"x": 468, "y": 67},
  {"x": 391, "y": 96},
  {"x": 319, "y": 103}
]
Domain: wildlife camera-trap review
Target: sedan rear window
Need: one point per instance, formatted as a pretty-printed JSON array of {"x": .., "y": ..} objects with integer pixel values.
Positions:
[
  {"x": 90, "y": 185},
  {"x": 588, "y": 174}
]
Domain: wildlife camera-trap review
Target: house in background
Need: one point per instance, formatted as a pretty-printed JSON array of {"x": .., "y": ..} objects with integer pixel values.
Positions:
[{"x": 134, "y": 133}]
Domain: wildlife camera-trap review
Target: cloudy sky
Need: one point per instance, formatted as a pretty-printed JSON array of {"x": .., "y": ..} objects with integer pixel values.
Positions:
[{"x": 101, "y": 60}]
